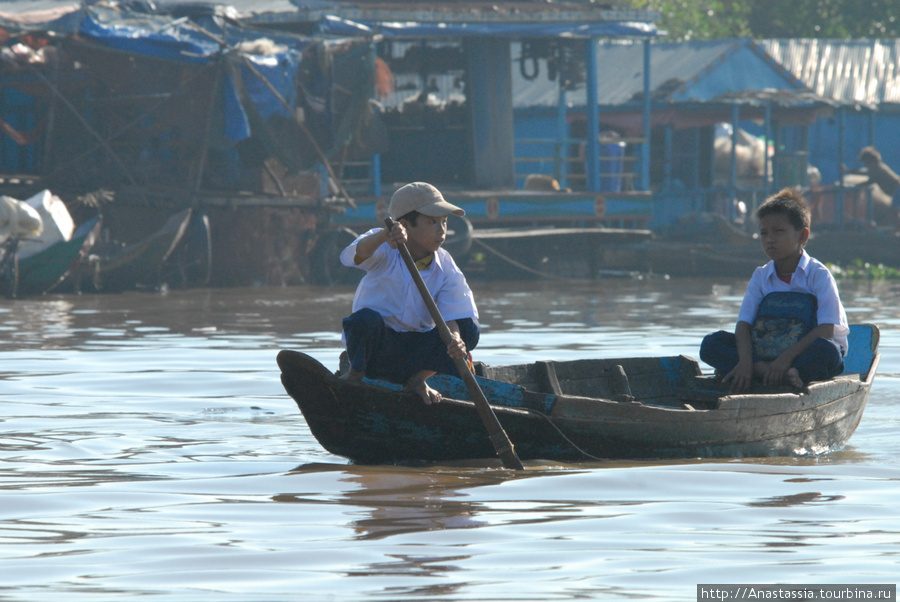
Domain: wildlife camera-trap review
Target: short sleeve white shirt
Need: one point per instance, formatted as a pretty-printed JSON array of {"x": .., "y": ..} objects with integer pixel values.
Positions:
[
  {"x": 389, "y": 289},
  {"x": 811, "y": 276}
]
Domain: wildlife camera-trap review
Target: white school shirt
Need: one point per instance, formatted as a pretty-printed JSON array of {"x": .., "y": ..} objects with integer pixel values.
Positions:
[
  {"x": 811, "y": 276},
  {"x": 389, "y": 289}
]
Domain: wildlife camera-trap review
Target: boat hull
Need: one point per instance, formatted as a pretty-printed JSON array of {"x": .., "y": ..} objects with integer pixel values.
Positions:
[
  {"x": 371, "y": 424},
  {"x": 650, "y": 408},
  {"x": 40, "y": 272},
  {"x": 138, "y": 264}
]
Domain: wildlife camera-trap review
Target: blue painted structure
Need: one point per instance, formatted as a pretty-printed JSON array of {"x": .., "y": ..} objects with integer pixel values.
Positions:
[
  {"x": 490, "y": 189},
  {"x": 867, "y": 87},
  {"x": 692, "y": 86},
  {"x": 487, "y": 47}
]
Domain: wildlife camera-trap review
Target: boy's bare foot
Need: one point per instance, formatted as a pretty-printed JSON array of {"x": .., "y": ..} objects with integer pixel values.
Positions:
[
  {"x": 792, "y": 376},
  {"x": 421, "y": 388},
  {"x": 354, "y": 375}
]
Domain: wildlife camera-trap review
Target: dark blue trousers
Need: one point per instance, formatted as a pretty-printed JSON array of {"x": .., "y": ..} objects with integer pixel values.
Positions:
[
  {"x": 821, "y": 360},
  {"x": 383, "y": 353}
]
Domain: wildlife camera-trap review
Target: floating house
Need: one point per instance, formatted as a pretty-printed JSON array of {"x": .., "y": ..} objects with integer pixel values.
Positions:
[
  {"x": 444, "y": 88},
  {"x": 285, "y": 126},
  {"x": 445, "y": 92},
  {"x": 147, "y": 112},
  {"x": 278, "y": 123}
]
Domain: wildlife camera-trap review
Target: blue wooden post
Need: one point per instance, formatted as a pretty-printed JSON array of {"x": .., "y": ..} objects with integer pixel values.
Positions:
[
  {"x": 732, "y": 175},
  {"x": 870, "y": 202},
  {"x": 839, "y": 193},
  {"x": 490, "y": 96},
  {"x": 375, "y": 167},
  {"x": 562, "y": 135},
  {"x": 645, "y": 149},
  {"x": 841, "y": 156},
  {"x": 667, "y": 161},
  {"x": 592, "y": 155},
  {"x": 766, "y": 182}
]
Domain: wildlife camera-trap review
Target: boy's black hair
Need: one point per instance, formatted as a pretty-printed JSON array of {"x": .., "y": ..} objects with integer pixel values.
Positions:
[
  {"x": 411, "y": 217},
  {"x": 789, "y": 203}
]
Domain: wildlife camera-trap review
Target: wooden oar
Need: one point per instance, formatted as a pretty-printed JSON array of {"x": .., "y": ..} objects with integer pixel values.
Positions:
[{"x": 502, "y": 445}]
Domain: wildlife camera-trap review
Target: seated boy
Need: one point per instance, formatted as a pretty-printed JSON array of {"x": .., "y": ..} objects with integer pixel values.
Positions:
[
  {"x": 390, "y": 334},
  {"x": 813, "y": 355}
]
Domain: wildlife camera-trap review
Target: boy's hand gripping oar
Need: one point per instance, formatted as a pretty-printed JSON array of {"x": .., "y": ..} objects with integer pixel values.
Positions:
[{"x": 502, "y": 445}]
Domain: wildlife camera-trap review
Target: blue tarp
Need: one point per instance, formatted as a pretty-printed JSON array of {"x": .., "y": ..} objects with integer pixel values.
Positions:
[
  {"x": 181, "y": 40},
  {"x": 151, "y": 36},
  {"x": 344, "y": 27},
  {"x": 279, "y": 70}
]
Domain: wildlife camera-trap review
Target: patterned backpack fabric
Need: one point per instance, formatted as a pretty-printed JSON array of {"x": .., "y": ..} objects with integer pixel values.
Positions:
[{"x": 781, "y": 320}]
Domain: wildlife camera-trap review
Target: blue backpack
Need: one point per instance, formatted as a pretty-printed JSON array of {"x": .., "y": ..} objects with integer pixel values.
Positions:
[{"x": 781, "y": 320}]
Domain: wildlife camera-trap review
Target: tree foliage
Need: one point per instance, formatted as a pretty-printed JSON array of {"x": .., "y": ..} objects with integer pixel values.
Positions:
[{"x": 758, "y": 19}]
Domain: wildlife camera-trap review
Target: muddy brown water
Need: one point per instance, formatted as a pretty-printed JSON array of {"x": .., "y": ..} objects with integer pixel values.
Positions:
[{"x": 147, "y": 448}]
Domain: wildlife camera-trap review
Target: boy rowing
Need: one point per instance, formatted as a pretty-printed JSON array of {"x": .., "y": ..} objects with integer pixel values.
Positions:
[{"x": 390, "y": 334}]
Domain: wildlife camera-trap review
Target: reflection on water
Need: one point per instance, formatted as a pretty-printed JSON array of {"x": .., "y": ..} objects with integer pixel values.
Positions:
[
  {"x": 148, "y": 448},
  {"x": 796, "y": 499},
  {"x": 401, "y": 500}
]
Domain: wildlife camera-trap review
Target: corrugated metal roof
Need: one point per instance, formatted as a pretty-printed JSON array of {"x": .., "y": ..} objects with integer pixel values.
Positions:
[
  {"x": 472, "y": 11},
  {"x": 455, "y": 18},
  {"x": 679, "y": 72},
  {"x": 863, "y": 71},
  {"x": 572, "y": 17},
  {"x": 18, "y": 7},
  {"x": 14, "y": 8}
]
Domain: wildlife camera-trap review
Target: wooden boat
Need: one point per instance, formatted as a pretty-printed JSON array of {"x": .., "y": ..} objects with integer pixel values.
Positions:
[
  {"x": 9, "y": 267},
  {"x": 40, "y": 272},
  {"x": 659, "y": 407},
  {"x": 119, "y": 266}
]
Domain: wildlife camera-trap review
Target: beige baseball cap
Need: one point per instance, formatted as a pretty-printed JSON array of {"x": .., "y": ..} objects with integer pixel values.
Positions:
[{"x": 421, "y": 197}]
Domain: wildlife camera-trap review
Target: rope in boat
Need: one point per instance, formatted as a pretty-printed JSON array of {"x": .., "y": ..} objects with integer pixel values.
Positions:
[{"x": 561, "y": 434}]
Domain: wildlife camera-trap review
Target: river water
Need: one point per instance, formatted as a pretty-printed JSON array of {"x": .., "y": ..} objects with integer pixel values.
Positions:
[{"x": 147, "y": 448}]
